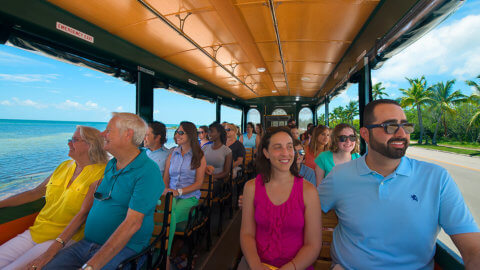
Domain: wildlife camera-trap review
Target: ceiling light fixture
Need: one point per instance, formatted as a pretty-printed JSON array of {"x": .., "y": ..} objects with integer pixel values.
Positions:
[
  {"x": 232, "y": 82},
  {"x": 306, "y": 79},
  {"x": 274, "y": 91},
  {"x": 261, "y": 69}
]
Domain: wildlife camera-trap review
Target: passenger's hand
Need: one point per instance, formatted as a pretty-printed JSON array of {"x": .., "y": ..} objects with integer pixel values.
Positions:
[
  {"x": 39, "y": 262},
  {"x": 174, "y": 192},
  {"x": 209, "y": 170},
  {"x": 240, "y": 201}
]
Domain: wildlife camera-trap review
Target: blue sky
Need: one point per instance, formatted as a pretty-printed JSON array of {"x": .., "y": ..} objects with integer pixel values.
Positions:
[{"x": 33, "y": 86}]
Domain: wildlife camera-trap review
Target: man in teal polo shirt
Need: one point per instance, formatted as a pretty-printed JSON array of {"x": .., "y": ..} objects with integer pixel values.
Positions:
[
  {"x": 120, "y": 222},
  {"x": 390, "y": 208}
]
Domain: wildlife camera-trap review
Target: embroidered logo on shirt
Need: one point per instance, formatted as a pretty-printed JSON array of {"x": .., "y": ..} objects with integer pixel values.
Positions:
[{"x": 414, "y": 197}]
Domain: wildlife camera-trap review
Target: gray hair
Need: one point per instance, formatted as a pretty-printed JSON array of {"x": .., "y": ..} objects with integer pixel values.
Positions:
[{"x": 134, "y": 122}]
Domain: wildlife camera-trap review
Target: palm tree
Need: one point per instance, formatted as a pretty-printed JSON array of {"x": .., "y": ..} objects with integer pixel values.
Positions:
[
  {"x": 377, "y": 91},
  {"x": 474, "y": 99},
  {"x": 351, "y": 110},
  {"x": 444, "y": 99},
  {"x": 417, "y": 96}
]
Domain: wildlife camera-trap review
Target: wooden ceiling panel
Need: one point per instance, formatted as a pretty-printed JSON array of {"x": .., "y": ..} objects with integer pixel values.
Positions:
[
  {"x": 191, "y": 61},
  {"x": 314, "y": 51},
  {"x": 169, "y": 7},
  {"x": 322, "y": 20},
  {"x": 309, "y": 67},
  {"x": 259, "y": 21}
]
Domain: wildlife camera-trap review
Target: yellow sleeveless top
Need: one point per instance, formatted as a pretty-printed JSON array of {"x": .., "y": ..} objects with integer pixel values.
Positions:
[{"x": 63, "y": 203}]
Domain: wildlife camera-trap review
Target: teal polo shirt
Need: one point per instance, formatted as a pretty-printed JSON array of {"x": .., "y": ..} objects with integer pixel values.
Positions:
[
  {"x": 325, "y": 161},
  {"x": 392, "y": 222},
  {"x": 138, "y": 187}
]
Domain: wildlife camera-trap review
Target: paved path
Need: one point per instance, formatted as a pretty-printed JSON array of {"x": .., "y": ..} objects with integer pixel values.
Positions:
[{"x": 464, "y": 170}]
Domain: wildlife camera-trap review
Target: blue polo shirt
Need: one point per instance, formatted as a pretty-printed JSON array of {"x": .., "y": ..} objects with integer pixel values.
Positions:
[
  {"x": 138, "y": 187},
  {"x": 308, "y": 174},
  {"x": 392, "y": 222},
  {"x": 159, "y": 156}
]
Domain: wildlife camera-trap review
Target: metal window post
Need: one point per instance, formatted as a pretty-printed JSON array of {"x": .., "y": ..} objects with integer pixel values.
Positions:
[
  {"x": 218, "y": 109},
  {"x": 364, "y": 95},
  {"x": 314, "y": 114},
  {"x": 327, "y": 101},
  {"x": 144, "y": 101}
]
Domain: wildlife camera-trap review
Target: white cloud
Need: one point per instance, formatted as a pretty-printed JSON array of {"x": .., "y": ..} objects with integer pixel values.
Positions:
[
  {"x": 88, "y": 106},
  {"x": 90, "y": 75},
  {"x": 25, "y": 78},
  {"x": 119, "y": 109},
  {"x": 452, "y": 50},
  {"x": 27, "y": 103},
  {"x": 156, "y": 111},
  {"x": 91, "y": 105}
]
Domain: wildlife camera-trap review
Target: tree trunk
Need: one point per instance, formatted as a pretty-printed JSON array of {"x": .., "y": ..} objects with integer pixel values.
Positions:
[
  {"x": 434, "y": 140},
  {"x": 445, "y": 125},
  {"x": 420, "y": 123}
]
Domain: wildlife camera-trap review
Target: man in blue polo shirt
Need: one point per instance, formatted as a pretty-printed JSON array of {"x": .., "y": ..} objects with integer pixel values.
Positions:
[
  {"x": 120, "y": 221},
  {"x": 154, "y": 143},
  {"x": 390, "y": 208}
]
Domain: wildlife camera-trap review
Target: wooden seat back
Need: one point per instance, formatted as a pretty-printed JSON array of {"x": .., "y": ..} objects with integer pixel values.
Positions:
[
  {"x": 329, "y": 222},
  {"x": 162, "y": 218}
]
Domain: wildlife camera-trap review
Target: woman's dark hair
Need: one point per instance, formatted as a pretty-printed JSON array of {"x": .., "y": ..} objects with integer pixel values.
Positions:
[
  {"x": 334, "y": 138},
  {"x": 159, "y": 129},
  {"x": 260, "y": 127},
  {"x": 252, "y": 126},
  {"x": 221, "y": 130},
  {"x": 205, "y": 131},
  {"x": 263, "y": 164},
  {"x": 197, "y": 153}
]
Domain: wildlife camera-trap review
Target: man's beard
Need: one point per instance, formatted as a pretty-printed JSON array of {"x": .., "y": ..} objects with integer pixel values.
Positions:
[{"x": 387, "y": 150}]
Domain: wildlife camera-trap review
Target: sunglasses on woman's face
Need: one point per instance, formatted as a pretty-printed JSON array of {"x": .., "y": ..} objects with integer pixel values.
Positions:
[
  {"x": 344, "y": 138},
  {"x": 200, "y": 132},
  {"x": 227, "y": 129},
  {"x": 179, "y": 132},
  {"x": 301, "y": 152}
]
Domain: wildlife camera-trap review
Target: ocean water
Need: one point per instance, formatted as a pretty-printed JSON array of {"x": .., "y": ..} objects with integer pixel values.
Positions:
[{"x": 31, "y": 149}]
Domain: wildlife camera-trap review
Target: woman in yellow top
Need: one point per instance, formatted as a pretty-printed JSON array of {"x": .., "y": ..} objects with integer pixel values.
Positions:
[{"x": 64, "y": 191}]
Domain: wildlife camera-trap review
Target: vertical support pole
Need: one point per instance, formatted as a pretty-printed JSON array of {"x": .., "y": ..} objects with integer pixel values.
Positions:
[
  {"x": 327, "y": 101},
  {"x": 218, "y": 110},
  {"x": 244, "y": 119},
  {"x": 144, "y": 100},
  {"x": 364, "y": 95},
  {"x": 314, "y": 114}
]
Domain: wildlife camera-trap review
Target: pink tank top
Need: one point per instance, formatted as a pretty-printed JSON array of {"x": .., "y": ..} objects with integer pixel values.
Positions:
[{"x": 279, "y": 228}]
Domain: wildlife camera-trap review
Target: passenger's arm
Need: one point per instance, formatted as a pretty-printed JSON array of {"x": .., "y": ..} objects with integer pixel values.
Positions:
[
  {"x": 226, "y": 167},
  {"x": 118, "y": 240},
  {"x": 257, "y": 143},
  {"x": 238, "y": 162},
  {"x": 469, "y": 246},
  {"x": 319, "y": 174},
  {"x": 27, "y": 196},
  {"x": 166, "y": 172},
  {"x": 67, "y": 234},
  {"x": 247, "y": 230},
  {"x": 312, "y": 242},
  {"x": 241, "y": 138},
  {"x": 199, "y": 176}
]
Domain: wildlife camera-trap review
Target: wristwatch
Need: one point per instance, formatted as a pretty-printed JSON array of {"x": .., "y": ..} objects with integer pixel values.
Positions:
[
  {"x": 87, "y": 267},
  {"x": 180, "y": 192}
]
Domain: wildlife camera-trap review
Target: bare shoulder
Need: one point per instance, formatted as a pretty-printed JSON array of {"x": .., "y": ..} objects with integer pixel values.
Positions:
[
  {"x": 310, "y": 193},
  {"x": 309, "y": 187},
  {"x": 250, "y": 185}
]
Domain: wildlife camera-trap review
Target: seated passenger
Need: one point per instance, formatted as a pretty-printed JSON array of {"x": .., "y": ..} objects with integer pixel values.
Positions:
[
  {"x": 281, "y": 212},
  {"x": 203, "y": 136},
  {"x": 318, "y": 144},
  {"x": 64, "y": 191},
  {"x": 291, "y": 123},
  {"x": 306, "y": 172},
  {"x": 295, "y": 132},
  {"x": 249, "y": 138},
  {"x": 260, "y": 131},
  {"x": 344, "y": 147},
  {"x": 238, "y": 151},
  {"x": 218, "y": 154},
  {"x": 120, "y": 210},
  {"x": 184, "y": 173},
  {"x": 155, "y": 143},
  {"x": 390, "y": 207}
]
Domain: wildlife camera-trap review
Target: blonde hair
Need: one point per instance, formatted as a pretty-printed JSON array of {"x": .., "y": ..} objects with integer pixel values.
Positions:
[
  {"x": 233, "y": 127},
  {"x": 313, "y": 145},
  {"x": 92, "y": 137},
  {"x": 132, "y": 121}
]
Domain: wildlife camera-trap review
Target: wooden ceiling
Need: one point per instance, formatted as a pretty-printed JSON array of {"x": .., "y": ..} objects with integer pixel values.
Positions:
[{"x": 240, "y": 35}]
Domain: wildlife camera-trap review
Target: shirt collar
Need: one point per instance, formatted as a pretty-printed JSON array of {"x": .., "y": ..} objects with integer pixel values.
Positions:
[
  {"x": 161, "y": 149},
  {"x": 179, "y": 150},
  {"x": 404, "y": 168},
  {"x": 135, "y": 163}
]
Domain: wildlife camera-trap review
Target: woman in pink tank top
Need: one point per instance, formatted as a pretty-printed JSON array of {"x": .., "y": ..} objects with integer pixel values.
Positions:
[{"x": 281, "y": 217}]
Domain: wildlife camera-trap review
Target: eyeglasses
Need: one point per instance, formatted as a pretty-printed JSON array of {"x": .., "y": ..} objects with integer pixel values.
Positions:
[
  {"x": 179, "y": 132},
  {"x": 227, "y": 129},
  {"x": 74, "y": 140},
  {"x": 344, "y": 138},
  {"x": 100, "y": 197},
  {"x": 392, "y": 128},
  {"x": 199, "y": 132},
  {"x": 301, "y": 152}
]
